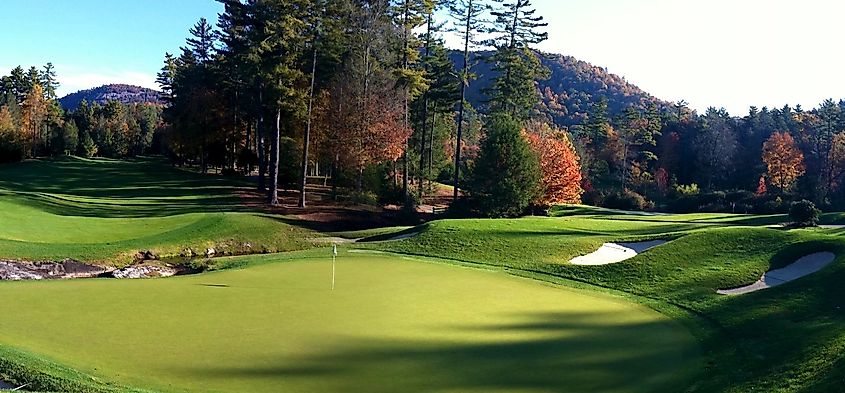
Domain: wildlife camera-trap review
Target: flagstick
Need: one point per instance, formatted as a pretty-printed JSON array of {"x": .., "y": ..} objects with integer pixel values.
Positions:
[{"x": 334, "y": 256}]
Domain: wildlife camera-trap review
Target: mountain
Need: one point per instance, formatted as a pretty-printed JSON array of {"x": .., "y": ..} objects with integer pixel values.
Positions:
[
  {"x": 124, "y": 93},
  {"x": 571, "y": 90}
]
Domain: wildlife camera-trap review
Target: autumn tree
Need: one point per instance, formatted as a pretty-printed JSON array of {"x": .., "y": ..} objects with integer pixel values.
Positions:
[
  {"x": 10, "y": 143},
  {"x": 34, "y": 111},
  {"x": 559, "y": 165},
  {"x": 784, "y": 161}
]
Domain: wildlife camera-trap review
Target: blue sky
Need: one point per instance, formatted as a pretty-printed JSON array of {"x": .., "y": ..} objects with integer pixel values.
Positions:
[
  {"x": 730, "y": 53},
  {"x": 94, "y": 42}
]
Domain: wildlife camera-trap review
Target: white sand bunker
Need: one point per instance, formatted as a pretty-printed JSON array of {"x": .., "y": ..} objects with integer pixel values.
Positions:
[
  {"x": 806, "y": 265},
  {"x": 615, "y": 252}
]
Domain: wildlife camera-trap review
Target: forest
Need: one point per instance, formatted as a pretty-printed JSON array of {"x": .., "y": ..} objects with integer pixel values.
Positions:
[{"x": 366, "y": 91}]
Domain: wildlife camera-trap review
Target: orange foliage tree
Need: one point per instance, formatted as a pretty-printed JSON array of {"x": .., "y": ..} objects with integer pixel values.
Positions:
[
  {"x": 364, "y": 129},
  {"x": 559, "y": 164},
  {"x": 784, "y": 161}
]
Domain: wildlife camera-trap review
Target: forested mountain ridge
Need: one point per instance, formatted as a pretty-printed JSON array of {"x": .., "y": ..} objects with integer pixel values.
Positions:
[
  {"x": 572, "y": 88},
  {"x": 125, "y": 94}
]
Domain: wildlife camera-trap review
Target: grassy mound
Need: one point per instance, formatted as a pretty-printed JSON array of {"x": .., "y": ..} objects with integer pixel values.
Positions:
[
  {"x": 391, "y": 325},
  {"x": 784, "y": 339},
  {"x": 106, "y": 211}
]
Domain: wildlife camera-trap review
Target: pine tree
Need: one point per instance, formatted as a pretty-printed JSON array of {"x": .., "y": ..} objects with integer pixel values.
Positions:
[
  {"x": 516, "y": 28},
  {"x": 49, "y": 81},
  {"x": 469, "y": 23},
  {"x": 409, "y": 15},
  {"x": 505, "y": 178}
]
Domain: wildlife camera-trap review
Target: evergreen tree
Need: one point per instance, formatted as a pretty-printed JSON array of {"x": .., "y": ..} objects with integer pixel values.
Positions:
[
  {"x": 516, "y": 28},
  {"x": 469, "y": 23},
  {"x": 505, "y": 178}
]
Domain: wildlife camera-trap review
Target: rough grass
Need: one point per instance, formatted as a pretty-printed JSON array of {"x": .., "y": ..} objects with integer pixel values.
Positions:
[
  {"x": 392, "y": 324},
  {"x": 786, "y": 339},
  {"x": 105, "y": 211}
]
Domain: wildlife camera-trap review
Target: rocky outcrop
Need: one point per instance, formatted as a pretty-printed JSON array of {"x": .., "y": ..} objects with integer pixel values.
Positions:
[
  {"x": 145, "y": 271},
  {"x": 45, "y": 270}
]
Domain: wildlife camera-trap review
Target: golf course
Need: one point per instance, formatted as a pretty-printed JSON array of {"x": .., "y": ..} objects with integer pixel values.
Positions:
[{"x": 457, "y": 305}]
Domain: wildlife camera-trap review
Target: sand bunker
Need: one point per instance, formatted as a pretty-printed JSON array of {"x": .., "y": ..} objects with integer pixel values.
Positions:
[
  {"x": 615, "y": 252},
  {"x": 806, "y": 265}
]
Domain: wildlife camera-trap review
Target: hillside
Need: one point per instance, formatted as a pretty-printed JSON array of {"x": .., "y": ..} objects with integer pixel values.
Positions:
[
  {"x": 572, "y": 88},
  {"x": 116, "y": 92}
]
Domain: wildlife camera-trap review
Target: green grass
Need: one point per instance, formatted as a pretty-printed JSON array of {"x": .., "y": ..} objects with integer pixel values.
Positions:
[
  {"x": 392, "y": 324},
  {"x": 269, "y": 323},
  {"x": 784, "y": 339},
  {"x": 105, "y": 211}
]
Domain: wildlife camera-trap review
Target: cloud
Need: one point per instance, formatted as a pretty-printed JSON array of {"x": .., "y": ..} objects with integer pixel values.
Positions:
[{"x": 72, "y": 80}]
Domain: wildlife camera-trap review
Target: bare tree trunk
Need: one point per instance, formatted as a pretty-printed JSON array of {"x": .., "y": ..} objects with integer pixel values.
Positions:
[
  {"x": 307, "y": 139},
  {"x": 262, "y": 152},
  {"x": 464, "y": 83},
  {"x": 273, "y": 192}
]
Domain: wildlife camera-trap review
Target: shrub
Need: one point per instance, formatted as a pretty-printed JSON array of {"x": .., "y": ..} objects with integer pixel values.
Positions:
[
  {"x": 804, "y": 213},
  {"x": 626, "y": 200},
  {"x": 686, "y": 190},
  {"x": 364, "y": 198}
]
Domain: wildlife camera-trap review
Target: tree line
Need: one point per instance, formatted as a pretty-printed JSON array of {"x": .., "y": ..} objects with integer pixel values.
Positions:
[
  {"x": 678, "y": 159},
  {"x": 365, "y": 90},
  {"x": 33, "y": 124}
]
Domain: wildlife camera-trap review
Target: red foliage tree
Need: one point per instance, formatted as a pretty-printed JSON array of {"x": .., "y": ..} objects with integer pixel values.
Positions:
[
  {"x": 761, "y": 186},
  {"x": 559, "y": 164}
]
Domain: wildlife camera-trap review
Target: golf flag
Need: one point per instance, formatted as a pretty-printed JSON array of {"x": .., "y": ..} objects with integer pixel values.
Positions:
[{"x": 334, "y": 256}]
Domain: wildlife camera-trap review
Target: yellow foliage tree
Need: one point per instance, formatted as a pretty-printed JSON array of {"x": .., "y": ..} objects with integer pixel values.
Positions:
[
  {"x": 34, "y": 113},
  {"x": 784, "y": 161}
]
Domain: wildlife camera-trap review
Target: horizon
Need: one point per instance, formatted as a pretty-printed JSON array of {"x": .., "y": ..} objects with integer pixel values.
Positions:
[{"x": 763, "y": 54}]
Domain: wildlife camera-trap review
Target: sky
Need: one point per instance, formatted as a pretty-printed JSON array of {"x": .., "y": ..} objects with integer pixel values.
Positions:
[{"x": 721, "y": 53}]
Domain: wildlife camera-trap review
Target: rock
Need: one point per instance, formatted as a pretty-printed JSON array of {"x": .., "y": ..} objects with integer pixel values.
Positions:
[
  {"x": 136, "y": 272},
  {"x": 149, "y": 255},
  {"x": 209, "y": 252},
  {"x": 189, "y": 253}
]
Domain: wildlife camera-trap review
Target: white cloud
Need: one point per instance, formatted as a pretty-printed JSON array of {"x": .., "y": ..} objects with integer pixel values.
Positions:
[{"x": 73, "y": 79}]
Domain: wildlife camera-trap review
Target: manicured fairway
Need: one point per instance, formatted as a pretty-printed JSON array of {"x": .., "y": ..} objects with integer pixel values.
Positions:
[
  {"x": 393, "y": 324},
  {"x": 105, "y": 211}
]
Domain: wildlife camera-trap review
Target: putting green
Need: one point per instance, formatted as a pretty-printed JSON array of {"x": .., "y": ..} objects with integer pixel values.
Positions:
[{"x": 392, "y": 324}]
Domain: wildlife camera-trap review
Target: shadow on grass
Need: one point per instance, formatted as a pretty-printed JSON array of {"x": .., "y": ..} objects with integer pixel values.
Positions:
[
  {"x": 569, "y": 352},
  {"x": 107, "y": 188}
]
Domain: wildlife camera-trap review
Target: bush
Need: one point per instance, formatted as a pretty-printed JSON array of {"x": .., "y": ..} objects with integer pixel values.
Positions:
[
  {"x": 626, "y": 200},
  {"x": 804, "y": 213},
  {"x": 364, "y": 198}
]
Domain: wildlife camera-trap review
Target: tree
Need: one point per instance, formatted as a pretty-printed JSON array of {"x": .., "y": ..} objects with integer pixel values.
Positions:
[
  {"x": 761, "y": 186},
  {"x": 559, "y": 165},
  {"x": 715, "y": 147},
  {"x": 49, "y": 81},
  {"x": 516, "y": 28},
  {"x": 468, "y": 22},
  {"x": 784, "y": 161},
  {"x": 10, "y": 142},
  {"x": 505, "y": 178},
  {"x": 34, "y": 114},
  {"x": 410, "y": 14}
]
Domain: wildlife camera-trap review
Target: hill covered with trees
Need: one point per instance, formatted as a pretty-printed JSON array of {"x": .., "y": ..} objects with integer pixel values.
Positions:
[
  {"x": 568, "y": 92},
  {"x": 125, "y": 94}
]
